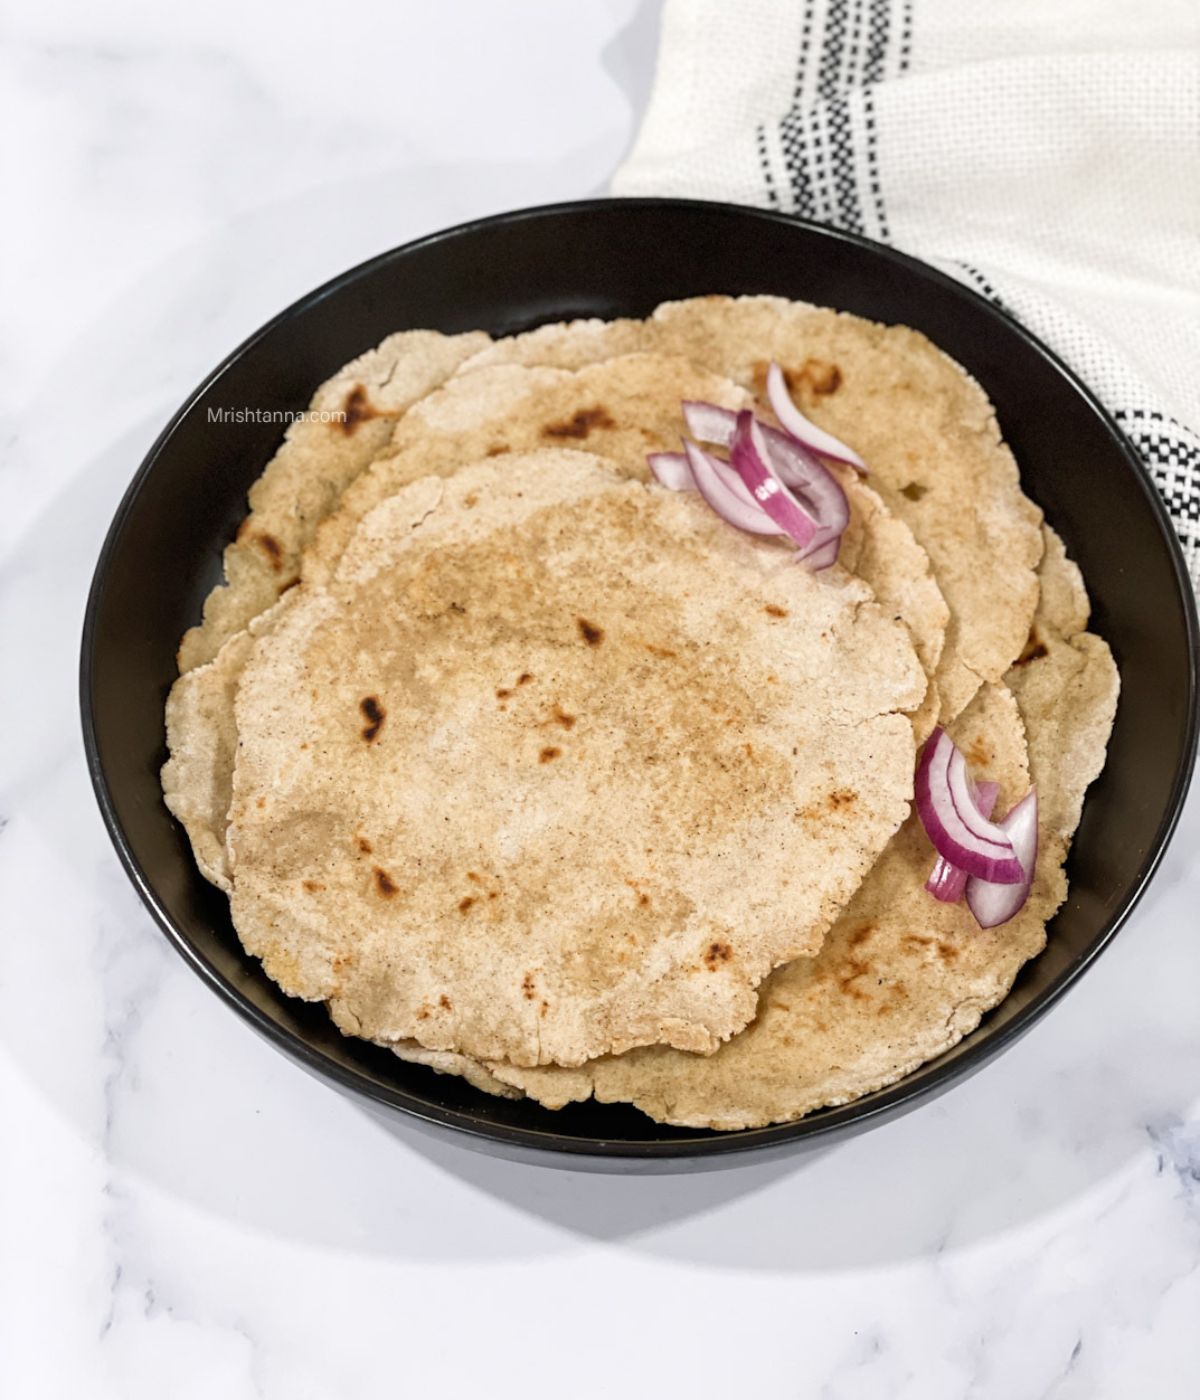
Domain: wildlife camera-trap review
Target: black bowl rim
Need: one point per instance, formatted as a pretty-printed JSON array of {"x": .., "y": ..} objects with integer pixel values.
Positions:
[{"x": 885, "y": 1102}]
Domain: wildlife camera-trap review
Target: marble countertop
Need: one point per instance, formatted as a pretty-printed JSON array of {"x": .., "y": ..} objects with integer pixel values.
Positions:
[{"x": 183, "y": 1213}]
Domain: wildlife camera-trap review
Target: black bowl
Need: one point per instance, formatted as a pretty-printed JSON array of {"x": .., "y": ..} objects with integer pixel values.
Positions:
[{"x": 621, "y": 258}]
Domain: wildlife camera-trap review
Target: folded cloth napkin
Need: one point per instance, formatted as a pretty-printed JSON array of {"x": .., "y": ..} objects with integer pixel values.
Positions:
[{"x": 1046, "y": 154}]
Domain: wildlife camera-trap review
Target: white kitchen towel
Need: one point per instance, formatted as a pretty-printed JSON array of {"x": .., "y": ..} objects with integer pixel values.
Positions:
[{"x": 1046, "y": 152}]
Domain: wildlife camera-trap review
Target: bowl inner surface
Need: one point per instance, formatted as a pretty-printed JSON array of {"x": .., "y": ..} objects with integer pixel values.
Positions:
[{"x": 611, "y": 258}]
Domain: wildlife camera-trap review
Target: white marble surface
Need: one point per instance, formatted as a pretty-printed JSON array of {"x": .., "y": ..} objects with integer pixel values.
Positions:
[{"x": 182, "y": 1212}]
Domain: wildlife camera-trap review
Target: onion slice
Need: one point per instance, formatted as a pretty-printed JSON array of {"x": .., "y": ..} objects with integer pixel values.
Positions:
[
  {"x": 946, "y": 881},
  {"x": 953, "y": 822},
  {"x": 994, "y": 903},
  {"x": 803, "y": 429},
  {"x": 671, "y": 470},
  {"x": 709, "y": 421},
  {"x": 812, "y": 480},
  {"x": 794, "y": 464},
  {"x": 726, "y": 494},
  {"x": 772, "y": 467},
  {"x": 751, "y": 460}
]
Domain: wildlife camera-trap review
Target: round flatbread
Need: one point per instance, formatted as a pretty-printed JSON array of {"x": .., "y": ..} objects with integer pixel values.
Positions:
[
  {"x": 622, "y": 409},
  {"x": 559, "y": 764},
  {"x": 626, "y": 407},
  {"x": 901, "y": 978}
]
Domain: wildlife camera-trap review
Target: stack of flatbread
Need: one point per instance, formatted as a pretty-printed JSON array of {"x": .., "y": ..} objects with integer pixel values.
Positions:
[{"x": 545, "y": 776}]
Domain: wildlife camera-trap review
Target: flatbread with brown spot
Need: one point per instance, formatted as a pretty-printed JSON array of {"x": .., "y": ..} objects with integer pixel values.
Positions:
[
  {"x": 558, "y": 765},
  {"x": 350, "y": 421},
  {"x": 901, "y": 978},
  {"x": 921, "y": 422},
  {"x": 621, "y": 409},
  {"x": 627, "y": 406}
]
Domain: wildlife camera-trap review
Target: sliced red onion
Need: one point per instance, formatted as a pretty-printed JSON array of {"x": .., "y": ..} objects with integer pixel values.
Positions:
[
  {"x": 726, "y": 494},
  {"x": 812, "y": 480},
  {"x": 953, "y": 822},
  {"x": 993, "y": 903},
  {"x": 803, "y": 429},
  {"x": 794, "y": 464},
  {"x": 820, "y": 493},
  {"x": 671, "y": 470},
  {"x": 749, "y": 457},
  {"x": 946, "y": 881}
]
